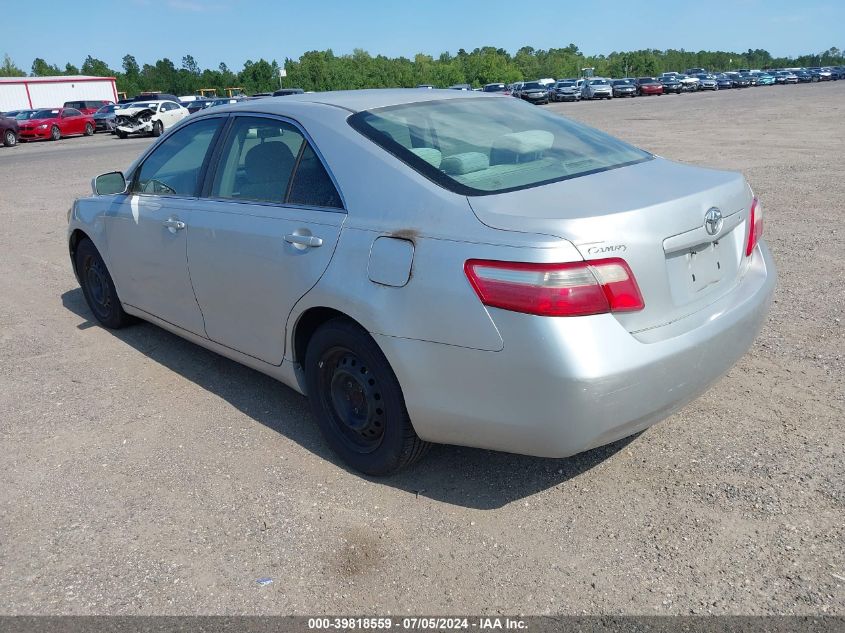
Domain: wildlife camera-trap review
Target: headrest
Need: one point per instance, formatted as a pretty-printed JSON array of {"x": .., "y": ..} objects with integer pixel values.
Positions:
[
  {"x": 465, "y": 163},
  {"x": 527, "y": 142},
  {"x": 268, "y": 162},
  {"x": 429, "y": 154}
]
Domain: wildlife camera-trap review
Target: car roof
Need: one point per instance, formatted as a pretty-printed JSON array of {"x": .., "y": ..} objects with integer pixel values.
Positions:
[{"x": 358, "y": 100}]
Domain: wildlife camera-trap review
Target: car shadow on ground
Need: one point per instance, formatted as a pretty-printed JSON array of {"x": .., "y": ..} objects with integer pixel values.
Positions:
[{"x": 468, "y": 477}]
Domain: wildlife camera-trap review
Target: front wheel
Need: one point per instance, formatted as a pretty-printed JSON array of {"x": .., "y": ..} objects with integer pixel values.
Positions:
[
  {"x": 10, "y": 139},
  {"x": 55, "y": 133},
  {"x": 158, "y": 128},
  {"x": 357, "y": 402},
  {"x": 121, "y": 134},
  {"x": 98, "y": 287}
]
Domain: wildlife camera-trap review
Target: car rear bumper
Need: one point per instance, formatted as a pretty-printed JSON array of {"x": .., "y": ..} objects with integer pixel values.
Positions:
[{"x": 564, "y": 385}]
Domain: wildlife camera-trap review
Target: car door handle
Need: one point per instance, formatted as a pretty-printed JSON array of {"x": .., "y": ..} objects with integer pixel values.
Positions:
[
  {"x": 303, "y": 240},
  {"x": 174, "y": 225}
]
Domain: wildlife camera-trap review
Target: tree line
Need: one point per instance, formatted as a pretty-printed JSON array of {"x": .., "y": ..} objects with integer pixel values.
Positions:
[{"x": 323, "y": 70}]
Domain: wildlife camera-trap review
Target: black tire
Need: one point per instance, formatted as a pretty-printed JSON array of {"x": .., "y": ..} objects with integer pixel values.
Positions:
[
  {"x": 89, "y": 129},
  {"x": 10, "y": 139},
  {"x": 98, "y": 287},
  {"x": 55, "y": 133},
  {"x": 158, "y": 128},
  {"x": 121, "y": 134},
  {"x": 357, "y": 401}
]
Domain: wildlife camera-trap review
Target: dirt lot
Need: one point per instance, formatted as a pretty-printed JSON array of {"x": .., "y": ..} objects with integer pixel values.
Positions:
[{"x": 142, "y": 474}]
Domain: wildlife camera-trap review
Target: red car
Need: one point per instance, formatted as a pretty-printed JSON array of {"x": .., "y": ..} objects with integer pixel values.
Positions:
[
  {"x": 54, "y": 123},
  {"x": 649, "y": 86},
  {"x": 89, "y": 106}
]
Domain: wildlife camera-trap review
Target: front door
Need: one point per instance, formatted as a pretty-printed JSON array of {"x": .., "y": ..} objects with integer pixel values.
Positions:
[
  {"x": 148, "y": 231},
  {"x": 264, "y": 237}
]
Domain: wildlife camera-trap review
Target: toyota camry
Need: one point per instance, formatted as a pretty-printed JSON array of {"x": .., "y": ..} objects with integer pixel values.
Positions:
[{"x": 433, "y": 266}]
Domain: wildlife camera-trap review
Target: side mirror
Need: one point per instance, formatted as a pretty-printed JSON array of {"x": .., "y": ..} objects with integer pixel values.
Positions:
[{"x": 109, "y": 184}]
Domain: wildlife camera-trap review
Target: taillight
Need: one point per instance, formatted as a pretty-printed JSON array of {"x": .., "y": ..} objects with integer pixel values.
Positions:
[
  {"x": 755, "y": 223},
  {"x": 572, "y": 289}
]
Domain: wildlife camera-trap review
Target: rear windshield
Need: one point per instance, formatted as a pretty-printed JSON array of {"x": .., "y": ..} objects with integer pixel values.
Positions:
[{"x": 487, "y": 146}]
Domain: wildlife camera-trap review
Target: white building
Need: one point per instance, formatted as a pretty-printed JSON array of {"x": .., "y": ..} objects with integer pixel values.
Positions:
[{"x": 17, "y": 93}]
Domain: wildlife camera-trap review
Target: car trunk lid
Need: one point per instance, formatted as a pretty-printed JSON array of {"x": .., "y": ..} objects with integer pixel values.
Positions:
[{"x": 652, "y": 215}]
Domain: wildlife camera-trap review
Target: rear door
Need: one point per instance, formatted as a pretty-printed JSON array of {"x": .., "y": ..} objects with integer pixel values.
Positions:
[{"x": 264, "y": 236}]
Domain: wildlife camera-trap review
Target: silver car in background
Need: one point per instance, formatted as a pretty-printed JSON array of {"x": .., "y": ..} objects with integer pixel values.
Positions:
[
  {"x": 597, "y": 88},
  {"x": 433, "y": 266}
]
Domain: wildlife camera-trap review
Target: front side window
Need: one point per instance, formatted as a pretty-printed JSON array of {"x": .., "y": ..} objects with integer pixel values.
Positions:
[
  {"x": 175, "y": 166},
  {"x": 481, "y": 146},
  {"x": 267, "y": 160}
]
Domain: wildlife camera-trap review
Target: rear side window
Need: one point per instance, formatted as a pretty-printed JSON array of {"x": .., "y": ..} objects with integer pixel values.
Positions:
[
  {"x": 175, "y": 166},
  {"x": 267, "y": 160},
  {"x": 483, "y": 146}
]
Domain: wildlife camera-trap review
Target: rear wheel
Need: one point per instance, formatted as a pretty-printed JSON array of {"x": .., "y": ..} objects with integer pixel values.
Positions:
[
  {"x": 55, "y": 133},
  {"x": 98, "y": 287},
  {"x": 10, "y": 139},
  {"x": 357, "y": 401},
  {"x": 89, "y": 129}
]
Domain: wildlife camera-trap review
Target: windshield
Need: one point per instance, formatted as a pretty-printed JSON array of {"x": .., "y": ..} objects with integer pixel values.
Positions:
[
  {"x": 598, "y": 82},
  {"x": 622, "y": 82},
  {"x": 24, "y": 115},
  {"x": 45, "y": 114},
  {"x": 142, "y": 104},
  {"x": 107, "y": 109},
  {"x": 495, "y": 88},
  {"x": 647, "y": 80},
  {"x": 565, "y": 84},
  {"x": 479, "y": 146},
  {"x": 533, "y": 85},
  {"x": 78, "y": 105}
]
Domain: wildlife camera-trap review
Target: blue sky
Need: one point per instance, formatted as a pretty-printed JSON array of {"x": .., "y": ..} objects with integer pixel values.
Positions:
[{"x": 233, "y": 31}]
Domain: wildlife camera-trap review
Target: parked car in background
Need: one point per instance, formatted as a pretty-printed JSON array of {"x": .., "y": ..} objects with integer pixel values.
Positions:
[
  {"x": 54, "y": 123},
  {"x": 466, "y": 87},
  {"x": 724, "y": 82},
  {"x": 786, "y": 77},
  {"x": 534, "y": 92},
  {"x": 765, "y": 79},
  {"x": 153, "y": 96},
  {"x": 671, "y": 84},
  {"x": 596, "y": 88},
  {"x": 689, "y": 83},
  {"x": 13, "y": 114},
  {"x": 823, "y": 74},
  {"x": 286, "y": 92},
  {"x": 707, "y": 82},
  {"x": 565, "y": 90},
  {"x": 570, "y": 279},
  {"x": 9, "y": 131},
  {"x": 496, "y": 87},
  {"x": 696, "y": 71},
  {"x": 737, "y": 80},
  {"x": 804, "y": 76},
  {"x": 104, "y": 118},
  {"x": 198, "y": 104},
  {"x": 647, "y": 86},
  {"x": 148, "y": 117},
  {"x": 88, "y": 106},
  {"x": 751, "y": 78},
  {"x": 624, "y": 87}
]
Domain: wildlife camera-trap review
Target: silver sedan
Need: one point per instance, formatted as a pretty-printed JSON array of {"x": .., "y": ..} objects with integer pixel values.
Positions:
[{"x": 433, "y": 266}]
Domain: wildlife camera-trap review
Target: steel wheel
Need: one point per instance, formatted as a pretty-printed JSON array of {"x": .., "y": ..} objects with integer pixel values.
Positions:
[
  {"x": 98, "y": 287},
  {"x": 353, "y": 398}
]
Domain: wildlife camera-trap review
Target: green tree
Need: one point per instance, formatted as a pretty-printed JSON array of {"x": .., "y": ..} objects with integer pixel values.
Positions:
[
  {"x": 9, "y": 69},
  {"x": 40, "y": 68},
  {"x": 96, "y": 67}
]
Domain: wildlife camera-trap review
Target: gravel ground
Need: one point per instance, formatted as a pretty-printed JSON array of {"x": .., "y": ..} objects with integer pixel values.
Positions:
[{"x": 144, "y": 475}]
